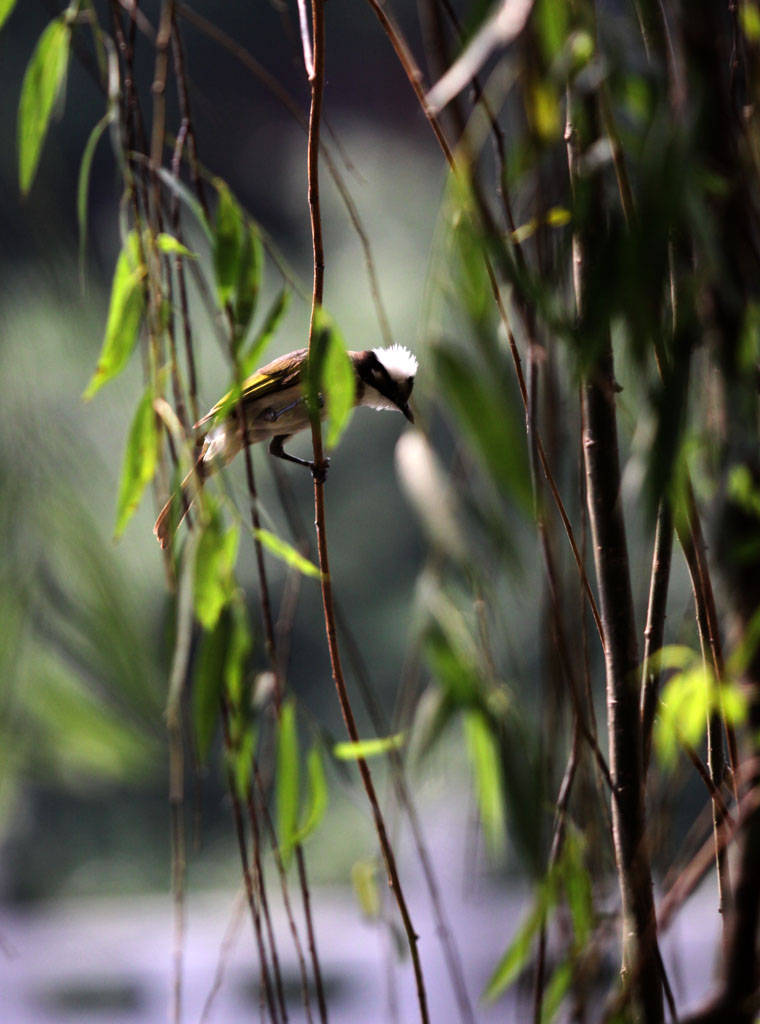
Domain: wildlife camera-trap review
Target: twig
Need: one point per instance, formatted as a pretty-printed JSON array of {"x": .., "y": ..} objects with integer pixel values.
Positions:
[{"x": 317, "y": 84}]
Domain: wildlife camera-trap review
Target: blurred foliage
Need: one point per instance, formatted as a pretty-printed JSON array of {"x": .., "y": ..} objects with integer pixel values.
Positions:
[{"x": 656, "y": 214}]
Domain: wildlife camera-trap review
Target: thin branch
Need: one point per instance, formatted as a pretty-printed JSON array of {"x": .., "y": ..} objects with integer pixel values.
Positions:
[{"x": 317, "y": 86}]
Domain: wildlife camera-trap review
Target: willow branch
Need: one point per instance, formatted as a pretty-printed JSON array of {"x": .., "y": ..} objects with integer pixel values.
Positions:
[{"x": 317, "y": 86}]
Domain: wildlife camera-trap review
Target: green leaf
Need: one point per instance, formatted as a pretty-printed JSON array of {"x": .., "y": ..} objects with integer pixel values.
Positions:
[
  {"x": 83, "y": 186},
  {"x": 519, "y": 950},
  {"x": 209, "y": 683},
  {"x": 228, "y": 237},
  {"x": 484, "y": 758},
  {"x": 489, "y": 422},
  {"x": 556, "y": 990},
  {"x": 749, "y": 19},
  {"x": 248, "y": 282},
  {"x": 287, "y": 553},
  {"x": 169, "y": 244},
  {"x": 317, "y": 805},
  {"x": 368, "y": 748},
  {"x": 220, "y": 666},
  {"x": 688, "y": 699},
  {"x": 140, "y": 460},
  {"x": 242, "y": 761},
  {"x": 331, "y": 375},
  {"x": 183, "y": 192},
  {"x": 240, "y": 647},
  {"x": 250, "y": 360},
  {"x": 287, "y": 779},
  {"x": 214, "y": 571},
  {"x": 577, "y": 885},
  {"x": 364, "y": 881},
  {"x": 124, "y": 315},
  {"x": 6, "y": 6},
  {"x": 43, "y": 81}
]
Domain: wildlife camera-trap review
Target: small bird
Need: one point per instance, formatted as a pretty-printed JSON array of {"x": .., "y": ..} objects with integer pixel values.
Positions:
[{"x": 275, "y": 408}]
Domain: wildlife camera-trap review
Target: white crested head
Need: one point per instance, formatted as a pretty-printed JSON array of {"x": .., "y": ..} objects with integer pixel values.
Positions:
[{"x": 398, "y": 361}]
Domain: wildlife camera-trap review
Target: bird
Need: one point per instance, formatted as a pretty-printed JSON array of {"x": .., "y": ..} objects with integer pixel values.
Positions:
[{"x": 275, "y": 407}]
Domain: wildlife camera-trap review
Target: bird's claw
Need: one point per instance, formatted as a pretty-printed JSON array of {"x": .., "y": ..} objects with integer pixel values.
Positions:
[{"x": 319, "y": 472}]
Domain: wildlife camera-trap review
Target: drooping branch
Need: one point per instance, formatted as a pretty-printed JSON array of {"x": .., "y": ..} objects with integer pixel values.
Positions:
[{"x": 320, "y": 468}]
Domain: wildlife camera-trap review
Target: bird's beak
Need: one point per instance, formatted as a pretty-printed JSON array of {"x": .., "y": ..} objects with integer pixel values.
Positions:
[{"x": 404, "y": 407}]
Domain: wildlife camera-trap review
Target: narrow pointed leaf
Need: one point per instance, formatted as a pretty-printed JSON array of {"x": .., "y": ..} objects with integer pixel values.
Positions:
[
  {"x": 248, "y": 283},
  {"x": 368, "y": 748},
  {"x": 240, "y": 647},
  {"x": 124, "y": 316},
  {"x": 83, "y": 186},
  {"x": 214, "y": 571},
  {"x": 317, "y": 805},
  {"x": 228, "y": 237},
  {"x": 287, "y": 553},
  {"x": 331, "y": 375},
  {"x": 208, "y": 684},
  {"x": 484, "y": 758},
  {"x": 287, "y": 779},
  {"x": 43, "y": 81},
  {"x": 364, "y": 881},
  {"x": 251, "y": 359},
  {"x": 6, "y": 7},
  {"x": 519, "y": 951},
  {"x": 171, "y": 245},
  {"x": 140, "y": 460},
  {"x": 183, "y": 192}
]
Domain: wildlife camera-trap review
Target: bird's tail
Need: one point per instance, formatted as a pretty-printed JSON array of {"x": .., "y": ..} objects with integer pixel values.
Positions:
[{"x": 186, "y": 493}]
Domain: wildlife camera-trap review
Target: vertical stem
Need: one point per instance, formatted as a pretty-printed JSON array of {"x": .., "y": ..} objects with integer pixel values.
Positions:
[
  {"x": 601, "y": 458},
  {"x": 315, "y": 114}
]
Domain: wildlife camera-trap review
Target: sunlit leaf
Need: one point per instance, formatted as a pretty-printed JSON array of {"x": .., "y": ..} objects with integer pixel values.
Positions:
[
  {"x": 317, "y": 799},
  {"x": 214, "y": 571},
  {"x": 171, "y": 245},
  {"x": 228, "y": 238},
  {"x": 331, "y": 376},
  {"x": 140, "y": 460},
  {"x": 368, "y": 748},
  {"x": 83, "y": 185},
  {"x": 6, "y": 6},
  {"x": 287, "y": 553},
  {"x": 124, "y": 315},
  {"x": 544, "y": 109},
  {"x": 484, "y": 758},
  {"x": 43, "y": 81},
  {"x": 287, "y": 779},
  {"x": 364, "y": 881},
  {"x": 749, "y": 18},
  {"x": 688, "y": 699}
]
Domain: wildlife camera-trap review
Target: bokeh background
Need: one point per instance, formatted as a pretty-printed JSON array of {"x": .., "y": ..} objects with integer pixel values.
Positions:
[{"x": 85, "y": 640}]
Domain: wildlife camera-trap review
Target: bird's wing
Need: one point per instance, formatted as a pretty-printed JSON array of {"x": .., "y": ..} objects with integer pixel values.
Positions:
[{"x": 281, "y": 373}]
